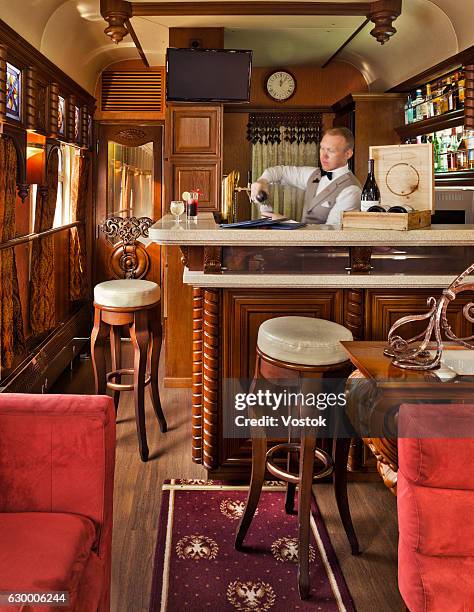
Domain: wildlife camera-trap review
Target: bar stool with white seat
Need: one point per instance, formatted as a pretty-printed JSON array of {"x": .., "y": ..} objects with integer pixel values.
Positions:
[
  {"x": 298, "y": 348},
  {"x": 134, "y": 303}
]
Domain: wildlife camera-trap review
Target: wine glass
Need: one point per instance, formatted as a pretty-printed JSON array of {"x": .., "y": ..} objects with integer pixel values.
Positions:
[{"x": 177, "y": 209}]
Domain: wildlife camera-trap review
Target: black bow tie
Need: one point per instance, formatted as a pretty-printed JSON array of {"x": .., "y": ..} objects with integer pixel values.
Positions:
[{"x": 328, "y": 174}]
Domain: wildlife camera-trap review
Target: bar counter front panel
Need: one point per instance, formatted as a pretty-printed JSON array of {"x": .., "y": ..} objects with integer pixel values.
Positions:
[{"x": 237, "y": 287}]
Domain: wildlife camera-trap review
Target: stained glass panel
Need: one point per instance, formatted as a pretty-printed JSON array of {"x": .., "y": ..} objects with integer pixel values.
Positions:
[
  {"x": 77, "y": 123},
  {"x": 61, "y": 116},
  {"x": 13, "y": 92}
]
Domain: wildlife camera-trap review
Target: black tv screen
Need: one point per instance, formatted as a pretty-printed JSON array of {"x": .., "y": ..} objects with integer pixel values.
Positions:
[{"x": 208, "y": 75}]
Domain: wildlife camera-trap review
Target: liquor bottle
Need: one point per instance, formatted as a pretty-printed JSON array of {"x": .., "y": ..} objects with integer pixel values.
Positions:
[
  {"x": 449, "y": 88},
  {"x": 452, "y": 151},
  {"x": 455, "y": 92},
  {"x": 429, "y": 102},
  {"x": 418, "y": 106},
  {"x": 370, "y": 195},
  {"x": 461, "y": 87},
  {"x": 443, "y": 153},
  {"x": 444, "y": 104},
  {"x": 463, "y": 154},
  {"x": 410, "y": 111},
  {"x": 407, "y": 106},
  {"x": 436, "y": 150}
]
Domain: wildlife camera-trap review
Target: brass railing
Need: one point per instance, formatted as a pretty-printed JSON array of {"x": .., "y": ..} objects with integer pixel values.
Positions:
[{"x": 35, "y": 236}]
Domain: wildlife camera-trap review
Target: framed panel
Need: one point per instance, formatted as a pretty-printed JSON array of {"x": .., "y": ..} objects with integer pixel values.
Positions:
[
  {"x": 61, "y": 116},
  {"x": 202, "y": 176},
  {"x": 196, "y": 131}
]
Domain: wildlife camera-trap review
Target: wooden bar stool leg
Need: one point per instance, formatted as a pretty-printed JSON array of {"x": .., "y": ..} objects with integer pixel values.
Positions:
[
  {"x": 98, "y": 339},
  {"x": 116, "y": 357},
  {"x": 308, "y": 445},
  {"x": 341, "y": 454},
  {"x": 155, "y": 327},
  {"x": 259, "y": 450},
  {"x": 140, "y": 338}
]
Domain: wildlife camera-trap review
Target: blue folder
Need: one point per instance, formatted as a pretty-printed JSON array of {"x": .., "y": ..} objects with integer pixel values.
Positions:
[{"x": 262, "y": 223}]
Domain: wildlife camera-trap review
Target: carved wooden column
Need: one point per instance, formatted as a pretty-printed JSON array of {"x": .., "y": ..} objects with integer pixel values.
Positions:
[
  {"x": 30, "y": 98},
  {"x": 354, "y": 312},
  {"x": 71, "y": 118},
  {"x": 197, "y": 415},
  {"x": 52, "y": 128},
  {"x": 3, "y": 82},
  {"x": 84, "y": 135},
  {"x": 469, "y": 97},
  {"x": 210, "y": 383}
]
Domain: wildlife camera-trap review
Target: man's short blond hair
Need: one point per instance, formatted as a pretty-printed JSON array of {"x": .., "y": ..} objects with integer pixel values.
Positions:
[{"x": 345, "y": 133}]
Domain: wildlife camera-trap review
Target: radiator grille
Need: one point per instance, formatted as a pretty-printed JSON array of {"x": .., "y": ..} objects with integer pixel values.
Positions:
[{"x": 133, "y": 91}]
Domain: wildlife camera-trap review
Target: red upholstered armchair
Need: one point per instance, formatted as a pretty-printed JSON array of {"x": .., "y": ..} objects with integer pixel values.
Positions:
[
  {"x": 57, "y": 458},
  {"x": 436, "y": 507}
]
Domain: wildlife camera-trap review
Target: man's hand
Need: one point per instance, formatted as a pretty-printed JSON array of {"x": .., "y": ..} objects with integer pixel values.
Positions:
[{"x": 257, "y": 187}]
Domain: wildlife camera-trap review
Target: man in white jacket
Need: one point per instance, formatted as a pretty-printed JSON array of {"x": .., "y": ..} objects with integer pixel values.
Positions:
[{"x": 329, "y": 190}]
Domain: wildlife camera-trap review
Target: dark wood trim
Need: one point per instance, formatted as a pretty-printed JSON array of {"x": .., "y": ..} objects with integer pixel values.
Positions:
[
  {"x": 27, "y": 55},
  {"x": 433, "y": 124},
  {"x": 447, "y": 65},
  {"x": 14, "y": 242},
  {"x": 242, "y": 108},
  {"x": 463, "y": 178},
  {"x": 163, "y": 9}
]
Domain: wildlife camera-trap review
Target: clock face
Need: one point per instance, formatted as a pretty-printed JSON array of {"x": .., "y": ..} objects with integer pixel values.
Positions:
[{"x": 280, "y": 85}]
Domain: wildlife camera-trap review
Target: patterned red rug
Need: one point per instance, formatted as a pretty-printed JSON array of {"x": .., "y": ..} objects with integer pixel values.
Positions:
[{"x": 197, "y": 568}]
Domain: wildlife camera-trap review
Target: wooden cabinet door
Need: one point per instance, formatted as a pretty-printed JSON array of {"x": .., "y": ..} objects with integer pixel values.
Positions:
[
  {"x": 202, "y": 176},
  {"x": 384, "y": 307},
  {"x": 195, "y": 131}
]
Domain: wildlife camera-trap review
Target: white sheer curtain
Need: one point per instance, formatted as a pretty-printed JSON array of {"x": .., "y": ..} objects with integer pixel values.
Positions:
[{"x": 286, "y": 200}]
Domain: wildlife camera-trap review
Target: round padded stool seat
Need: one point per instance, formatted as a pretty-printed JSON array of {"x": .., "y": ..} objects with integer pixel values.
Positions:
[
  {"x": 303, "y": 340},
  {"x": 127, "y": 293}
]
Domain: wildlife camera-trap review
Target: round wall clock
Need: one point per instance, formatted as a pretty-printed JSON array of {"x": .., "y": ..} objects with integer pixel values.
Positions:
[{"x": 280, "y": 85}]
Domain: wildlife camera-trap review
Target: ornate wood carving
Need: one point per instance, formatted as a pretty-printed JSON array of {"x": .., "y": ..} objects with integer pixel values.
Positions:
[
  {"x": 116, "y": 13},
  {"x": 129, "y": 258},
  {"x": 85, "y": 127},
  {"x": 383, "y": 13},
  {"x": 70, "y": 118},
  {"x": 53, "y": 110},
  {"x": 469, "y": 97},
  {"x": 131, "y": 137},
  {"x": 30, "y": 103},
  {"x": 41, "y": 119},
  {"x": 210, "y": 382},
  {"x": 354, "y": 312},
  {"x": 197, "y": 407},
  {"x": 184, "y": 256},
  {"x": 212, "y": 260},
  {"x": 3, "y": 82}
]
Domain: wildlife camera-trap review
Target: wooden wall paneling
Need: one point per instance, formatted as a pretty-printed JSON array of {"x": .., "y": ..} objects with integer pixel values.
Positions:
[
  {"x": 195, "y": 130},
  {"x": 357, "y": 112},
  {"x": 179, "y": 323},
  {"x": 70, "y": 118},
  {"x": 315, "y": 86},
  {"x": 207, "y": 38},
  {"x": 198, "y": 175},
  {"x": 237, "y": 155},
  {"x": 52, "y": 127},
  {"x": 384, "y": 307},
  {"x": 30, "y": 101}
]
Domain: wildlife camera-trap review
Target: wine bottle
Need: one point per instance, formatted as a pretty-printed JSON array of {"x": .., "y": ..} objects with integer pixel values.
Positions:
[
  {"x": 419, "y": 100},
  {"x": 370, "y": 195}
]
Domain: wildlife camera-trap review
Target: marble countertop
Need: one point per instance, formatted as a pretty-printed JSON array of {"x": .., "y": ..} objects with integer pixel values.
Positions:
[
  {"x": 206, "y": 232},
  {"x": 320, "y": 281}
]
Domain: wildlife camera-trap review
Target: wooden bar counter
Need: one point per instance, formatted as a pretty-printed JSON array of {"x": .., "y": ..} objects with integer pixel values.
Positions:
[{"x": 362, "y": 279}]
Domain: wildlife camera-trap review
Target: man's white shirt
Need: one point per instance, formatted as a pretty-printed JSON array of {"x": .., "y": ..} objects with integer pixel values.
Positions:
[{"x": 298, "y": 176}]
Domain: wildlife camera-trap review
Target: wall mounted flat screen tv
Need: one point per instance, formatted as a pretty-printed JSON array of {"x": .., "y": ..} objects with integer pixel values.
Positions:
[{"x": 208, "y": 75}]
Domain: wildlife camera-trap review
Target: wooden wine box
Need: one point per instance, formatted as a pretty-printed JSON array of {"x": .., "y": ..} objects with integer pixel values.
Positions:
[{"x": 404, "y": 175}]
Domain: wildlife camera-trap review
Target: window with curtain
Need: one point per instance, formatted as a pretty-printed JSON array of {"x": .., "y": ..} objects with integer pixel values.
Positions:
[
  {"x": 66, "y": 155},
  {"x": 284, "y": 139}
]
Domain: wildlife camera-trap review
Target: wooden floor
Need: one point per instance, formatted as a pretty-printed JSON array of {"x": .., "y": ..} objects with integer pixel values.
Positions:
[{"x": 372, "y": 577}]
